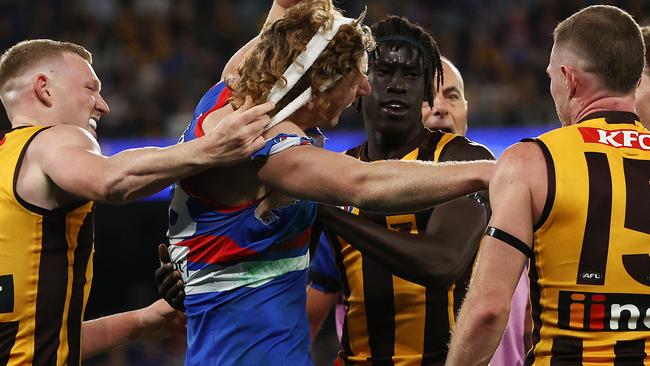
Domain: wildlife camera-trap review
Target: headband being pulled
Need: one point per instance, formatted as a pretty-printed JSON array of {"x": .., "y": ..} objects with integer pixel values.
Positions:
[{"x": 299, "y": 67}]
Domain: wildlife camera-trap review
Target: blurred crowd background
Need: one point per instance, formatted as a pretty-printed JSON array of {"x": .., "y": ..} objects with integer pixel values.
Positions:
[{"x": 157, "y": 57}]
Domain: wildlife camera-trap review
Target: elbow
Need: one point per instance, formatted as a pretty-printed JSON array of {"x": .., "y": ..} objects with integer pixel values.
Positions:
[
  {"x": 110, "y": 188},
  {"x": 442, "y": 275},
  {"x": 362, "y": 191},
  {"x": 434, "y": 278},
  {"x": 493, "y": 316},
  {"x": 491, "y": 313}
]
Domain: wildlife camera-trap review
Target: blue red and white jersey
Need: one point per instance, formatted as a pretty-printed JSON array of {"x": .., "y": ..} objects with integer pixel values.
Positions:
[{"x": 244, "y": 275}]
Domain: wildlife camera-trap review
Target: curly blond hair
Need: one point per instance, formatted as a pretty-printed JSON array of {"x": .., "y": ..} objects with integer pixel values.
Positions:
[{"x": 282, "y": 41}]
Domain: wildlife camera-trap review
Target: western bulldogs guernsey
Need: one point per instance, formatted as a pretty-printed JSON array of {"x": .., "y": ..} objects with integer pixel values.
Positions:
[{"x": 245, "y": 276}]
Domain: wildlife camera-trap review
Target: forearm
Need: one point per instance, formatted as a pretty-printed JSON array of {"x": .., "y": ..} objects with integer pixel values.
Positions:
[
  {"x": 406, "y": 186},
  {"x": 137, "y": 173},
  {"x": 478, "y": 333},
  {"x": 104, "y": 334},
  {"x": 394, "y": 186},
  {"x": 433, "y": 260}
]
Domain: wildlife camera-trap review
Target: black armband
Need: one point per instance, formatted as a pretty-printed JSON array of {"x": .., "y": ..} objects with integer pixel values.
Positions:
[{"x": 510, "y": 240}]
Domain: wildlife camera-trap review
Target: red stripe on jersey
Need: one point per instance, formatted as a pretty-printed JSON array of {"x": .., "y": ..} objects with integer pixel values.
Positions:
[
  {"x": 215, "y": 249},
  {"x": 221, "y": 101},
  {"x": 297, "y": 242}
]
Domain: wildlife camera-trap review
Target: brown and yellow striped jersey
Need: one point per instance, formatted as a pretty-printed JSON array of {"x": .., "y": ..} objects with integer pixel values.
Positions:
[
  {"x": 45, "y": 268},
  {"x": 391, "y": 321},
  {"x": 590, "y": 271}
]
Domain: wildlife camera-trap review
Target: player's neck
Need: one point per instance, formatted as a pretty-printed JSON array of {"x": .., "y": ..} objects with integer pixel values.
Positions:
[
  {"x": 615, "y": 103},
  {"x": 303, "y": 118},
  {"x": 22, "y": 120},
  {"x": 382, "y": 146}
]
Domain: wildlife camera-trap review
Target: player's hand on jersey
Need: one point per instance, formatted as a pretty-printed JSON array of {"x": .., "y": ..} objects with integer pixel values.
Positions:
[
  {"x": 160, "y": 321},
  {"x": 239, "y": 134},
  {"x": 169, "y": 281}
]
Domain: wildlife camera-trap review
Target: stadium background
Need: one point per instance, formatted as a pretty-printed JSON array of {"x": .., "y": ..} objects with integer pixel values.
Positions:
[{"x": 156, "y": 58}]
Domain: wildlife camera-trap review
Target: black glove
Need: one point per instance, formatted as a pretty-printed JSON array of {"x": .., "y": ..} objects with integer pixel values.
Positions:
[{"x": 169, "y": 281}]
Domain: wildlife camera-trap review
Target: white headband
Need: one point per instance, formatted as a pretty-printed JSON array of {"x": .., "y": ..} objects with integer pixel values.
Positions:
[{"x": 299, "y": 67}]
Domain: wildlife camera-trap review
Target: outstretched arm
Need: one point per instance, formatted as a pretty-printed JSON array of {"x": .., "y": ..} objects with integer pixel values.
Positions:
[
  {"x": 157, "y": 321},
  {"x": 436, "y": 258},
  {"x": 71, "y": 158},
  {"x": 311, "y": 173},
  {"x": 484, "y": 313}
]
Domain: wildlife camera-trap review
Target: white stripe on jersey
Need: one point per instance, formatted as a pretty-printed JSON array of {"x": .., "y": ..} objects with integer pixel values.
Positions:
[{"x": 216, "y": 278}]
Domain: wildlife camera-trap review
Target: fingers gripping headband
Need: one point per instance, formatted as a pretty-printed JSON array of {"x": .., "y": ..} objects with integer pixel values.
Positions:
[{"x": 299, "y": 67}]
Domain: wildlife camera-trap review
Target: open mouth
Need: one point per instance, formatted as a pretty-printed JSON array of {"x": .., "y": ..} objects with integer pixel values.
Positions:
[
  {"x": 93, "y": 123},
  {"x": 395, "y": 107}
]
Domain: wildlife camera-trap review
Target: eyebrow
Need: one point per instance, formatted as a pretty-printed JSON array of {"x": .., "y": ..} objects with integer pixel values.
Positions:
[{"x": 450, "y": 89}]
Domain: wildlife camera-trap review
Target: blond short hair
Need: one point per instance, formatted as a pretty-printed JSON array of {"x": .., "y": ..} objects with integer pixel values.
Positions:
[{"x": 26, "y": 54}]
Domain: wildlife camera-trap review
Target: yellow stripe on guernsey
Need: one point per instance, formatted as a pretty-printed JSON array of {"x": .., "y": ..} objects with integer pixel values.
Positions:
[
  {"x": 45, "y": 268},
  {"x": 441, "y": 144},
  {"x": 410, "y": 319},
  {"x": 591, "y": 262}
]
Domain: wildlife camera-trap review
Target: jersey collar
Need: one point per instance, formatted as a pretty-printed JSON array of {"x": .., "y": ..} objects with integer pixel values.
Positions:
[{"x": 613, "y": 117}]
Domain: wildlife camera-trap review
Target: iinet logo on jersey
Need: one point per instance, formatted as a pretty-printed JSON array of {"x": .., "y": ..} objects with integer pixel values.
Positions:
[
  {"x": 616, "y": 138},
  {"x": 603, "y": 312}
]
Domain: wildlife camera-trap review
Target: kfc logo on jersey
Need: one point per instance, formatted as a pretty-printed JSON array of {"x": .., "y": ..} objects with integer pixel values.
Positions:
[
  {"x": 616, "y": 138},
  {"x": 603, "y": 312}
]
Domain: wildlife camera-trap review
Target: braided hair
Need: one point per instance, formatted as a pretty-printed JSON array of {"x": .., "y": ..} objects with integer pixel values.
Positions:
[{"x": 394, "y": 29}]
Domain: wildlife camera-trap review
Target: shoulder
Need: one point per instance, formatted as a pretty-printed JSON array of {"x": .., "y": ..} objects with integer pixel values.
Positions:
[
  {"x": 523, "y": 160},
  {"x": 463, "y": 149},
  {"x": 65, "y": 136}
]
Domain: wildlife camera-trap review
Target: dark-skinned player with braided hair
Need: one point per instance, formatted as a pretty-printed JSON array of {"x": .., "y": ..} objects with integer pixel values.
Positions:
[{"x": 402, "y": 275}]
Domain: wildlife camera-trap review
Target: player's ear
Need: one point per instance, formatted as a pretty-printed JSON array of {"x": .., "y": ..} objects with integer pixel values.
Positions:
[
  {"x": 570, "y": 79},
  {"x": 42, "y": 89}
]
